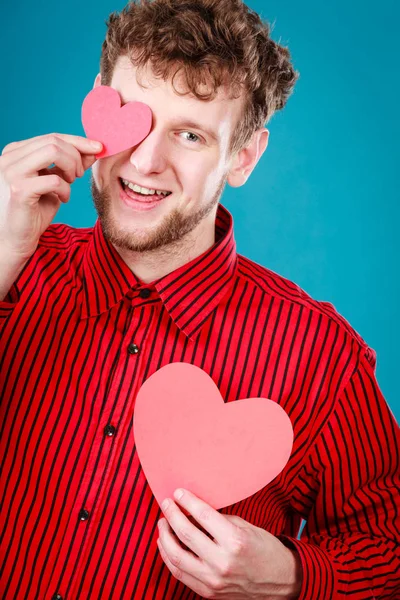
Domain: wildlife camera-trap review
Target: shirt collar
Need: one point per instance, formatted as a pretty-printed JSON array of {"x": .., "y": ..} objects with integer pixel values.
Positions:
[{"x": 190, "y": 293}]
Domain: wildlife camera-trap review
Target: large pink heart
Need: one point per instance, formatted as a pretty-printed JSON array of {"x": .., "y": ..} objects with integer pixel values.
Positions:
[
  {"x": 187, "y": 436},
  {"x": 117, "y": 128}
]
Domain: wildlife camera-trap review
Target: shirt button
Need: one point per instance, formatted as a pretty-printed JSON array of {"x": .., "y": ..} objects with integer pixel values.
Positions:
[
  {"x": 133, "y": 349},
  {"x": 56, "y": 597},
  {"x": 83, "y": 514},
  {"x": 109, "y": 430},
  {"x": 145, "y": 293}
]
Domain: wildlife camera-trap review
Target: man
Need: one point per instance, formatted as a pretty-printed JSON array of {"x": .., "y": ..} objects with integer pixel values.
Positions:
[{"x": 88, "y": 315}]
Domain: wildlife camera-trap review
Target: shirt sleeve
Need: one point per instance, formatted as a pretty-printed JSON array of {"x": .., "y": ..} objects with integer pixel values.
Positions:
[{"x": 350, "y": 545}]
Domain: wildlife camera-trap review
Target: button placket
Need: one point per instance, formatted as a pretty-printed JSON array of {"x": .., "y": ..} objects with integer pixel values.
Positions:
[{"x": 125, "y": 370}]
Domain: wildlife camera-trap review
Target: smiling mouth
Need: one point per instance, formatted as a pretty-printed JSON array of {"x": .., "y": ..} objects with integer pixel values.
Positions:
[
  {"x": 128, "y": 190},
  {"x": 139, "y": 197}
]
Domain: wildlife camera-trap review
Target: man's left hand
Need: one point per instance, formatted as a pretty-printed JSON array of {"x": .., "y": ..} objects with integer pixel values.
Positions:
[{"x": 241, "y": 561}]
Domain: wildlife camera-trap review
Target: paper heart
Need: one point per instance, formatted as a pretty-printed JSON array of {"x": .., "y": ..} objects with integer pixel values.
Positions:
[
  {"x": 187, "y": 436},
  {"x": 117, "y": 128}
]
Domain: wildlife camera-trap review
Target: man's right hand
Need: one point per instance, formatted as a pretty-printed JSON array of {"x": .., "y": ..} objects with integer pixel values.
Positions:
[{"x": 31, "y": 192}]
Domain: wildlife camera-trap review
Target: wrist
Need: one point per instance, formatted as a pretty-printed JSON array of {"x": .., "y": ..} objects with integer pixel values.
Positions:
[
  {"x": 291, "y": 576},
  {"x": 295, "y": 574},
  {"x": 10, "y": 268}
]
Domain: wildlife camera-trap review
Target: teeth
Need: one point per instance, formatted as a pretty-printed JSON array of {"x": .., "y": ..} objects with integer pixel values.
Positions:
[{"x": 143, "y": 190}]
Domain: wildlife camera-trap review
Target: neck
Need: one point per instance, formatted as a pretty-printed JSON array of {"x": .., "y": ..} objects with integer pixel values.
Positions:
[{"x": 150, "y": 266}]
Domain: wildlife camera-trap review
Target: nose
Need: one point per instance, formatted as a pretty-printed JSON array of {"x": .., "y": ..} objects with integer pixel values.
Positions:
[{"x": 149, "y": 156}]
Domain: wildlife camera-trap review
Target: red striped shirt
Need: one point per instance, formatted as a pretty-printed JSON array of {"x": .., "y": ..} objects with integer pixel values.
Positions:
[{"x": 79, "y": 336}]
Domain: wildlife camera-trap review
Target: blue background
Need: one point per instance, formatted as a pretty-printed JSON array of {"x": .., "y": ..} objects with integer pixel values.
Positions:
[{"x": 322, "y": 206}]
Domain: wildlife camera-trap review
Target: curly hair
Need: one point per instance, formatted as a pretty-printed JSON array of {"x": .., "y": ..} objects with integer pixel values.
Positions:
[{"x": 214, "y": 43}]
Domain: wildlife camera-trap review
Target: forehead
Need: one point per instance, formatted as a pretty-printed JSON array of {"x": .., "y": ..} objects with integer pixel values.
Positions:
[{"x": 219, "y": 115}]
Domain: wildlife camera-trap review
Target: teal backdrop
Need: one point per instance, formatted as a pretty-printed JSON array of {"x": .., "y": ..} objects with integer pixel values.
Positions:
[{"x": 322, "y": 206}]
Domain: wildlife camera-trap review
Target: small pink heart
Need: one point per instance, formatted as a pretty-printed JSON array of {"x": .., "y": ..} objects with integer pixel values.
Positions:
[
  {"x": 187, "y": 436},
  {"x": 117, "y": 128}
]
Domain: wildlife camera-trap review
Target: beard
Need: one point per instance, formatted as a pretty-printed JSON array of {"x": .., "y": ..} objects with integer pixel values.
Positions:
[{"x": 172, "y": 231}]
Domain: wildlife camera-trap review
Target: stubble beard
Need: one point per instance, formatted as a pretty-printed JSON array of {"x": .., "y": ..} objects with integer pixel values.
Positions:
[{"x": 172, "y": 231}]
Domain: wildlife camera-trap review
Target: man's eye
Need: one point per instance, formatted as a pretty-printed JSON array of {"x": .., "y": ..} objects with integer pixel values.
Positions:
[{"x": 192, "y": 134}]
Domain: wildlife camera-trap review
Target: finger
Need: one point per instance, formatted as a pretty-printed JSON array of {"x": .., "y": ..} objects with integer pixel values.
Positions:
[
  {"x": 82, "y": 144},
  {"x": 88, "y": 161},
  {"x": 236, "y": 520},
  {"x": 190, "y": 535},
  {"x": 221, "y": 529},
  {"x": 58, "y": 146},
  {"x": 47, "y": 184},
  {"x": 183, "y": 559},
  {"x": 31, "y": 163},
  {"x": 191, "y": 582}
]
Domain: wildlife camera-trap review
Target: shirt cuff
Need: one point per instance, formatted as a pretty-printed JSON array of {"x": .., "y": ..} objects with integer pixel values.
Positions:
[
  {"x": 319, "y": 580},
  {"x": 10, "y": 301}
]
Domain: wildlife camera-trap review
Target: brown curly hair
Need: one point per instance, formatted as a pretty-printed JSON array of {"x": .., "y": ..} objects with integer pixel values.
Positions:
[{"x": 215, "y": 43}]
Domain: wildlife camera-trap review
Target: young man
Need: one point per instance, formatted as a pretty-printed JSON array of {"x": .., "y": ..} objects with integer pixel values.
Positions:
[{"x": 88, "y": 315}]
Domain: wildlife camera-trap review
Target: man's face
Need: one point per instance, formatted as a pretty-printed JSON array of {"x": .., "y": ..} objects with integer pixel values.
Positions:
[{"x": 170, "y": 158}]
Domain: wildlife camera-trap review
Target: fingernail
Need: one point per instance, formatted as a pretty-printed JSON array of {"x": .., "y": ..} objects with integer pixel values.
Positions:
[
  {"x": 178, "y": 494},
  {"x": 97, "y": 145}
]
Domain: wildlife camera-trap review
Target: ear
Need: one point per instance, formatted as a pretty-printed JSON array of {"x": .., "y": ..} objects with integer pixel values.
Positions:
[
  {"x": 246, "y": 159},
  {"x": 97, "y": 81}
]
